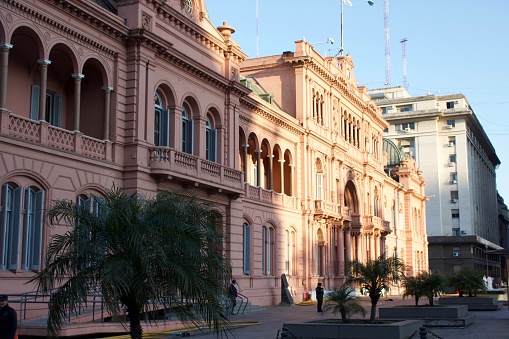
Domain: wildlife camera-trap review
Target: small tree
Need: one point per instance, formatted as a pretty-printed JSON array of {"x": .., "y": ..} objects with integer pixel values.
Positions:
[
  {"x": 414, "y": 287},
  {"x": 423, "y": 285},
  {"x": 375, "y": 275},
  {"x": 467, "y": 279},
  {"x": 433, "y": 284},
  {"x": 343, "y": 300}
]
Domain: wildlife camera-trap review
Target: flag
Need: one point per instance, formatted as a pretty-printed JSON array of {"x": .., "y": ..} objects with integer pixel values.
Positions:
[{"x": 348, "y": 2}]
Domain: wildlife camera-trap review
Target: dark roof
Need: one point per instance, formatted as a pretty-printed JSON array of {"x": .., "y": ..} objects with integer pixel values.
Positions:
[{"x": 106, "y": 4}]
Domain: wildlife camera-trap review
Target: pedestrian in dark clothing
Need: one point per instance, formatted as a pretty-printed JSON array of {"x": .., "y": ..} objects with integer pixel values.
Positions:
[
  {"x": 8, "y": 319},
  {"x": 319, "y": 297},
  {"x": 233, "y": 294}
]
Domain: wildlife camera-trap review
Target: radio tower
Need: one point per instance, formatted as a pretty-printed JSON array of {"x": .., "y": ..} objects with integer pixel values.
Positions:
[
  {"x": 387, "y": 46},
  {"x": 403, "y": 57}
]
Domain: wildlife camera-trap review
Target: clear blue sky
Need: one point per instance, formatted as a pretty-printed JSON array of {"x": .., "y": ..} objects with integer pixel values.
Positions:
[{"x": 454, "y": 46}]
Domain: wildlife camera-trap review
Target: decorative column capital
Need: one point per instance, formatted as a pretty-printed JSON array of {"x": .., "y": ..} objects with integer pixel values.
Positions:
[
  {"x": 44, "y": 62},
  {"x": 107, "y": 88},
  {"x": 78, "y": 76},
  {"x": 6, "y": 46}
]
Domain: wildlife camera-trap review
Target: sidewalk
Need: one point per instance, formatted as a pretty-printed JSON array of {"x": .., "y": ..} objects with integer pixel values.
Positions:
[{"x": 488, "y": 324}]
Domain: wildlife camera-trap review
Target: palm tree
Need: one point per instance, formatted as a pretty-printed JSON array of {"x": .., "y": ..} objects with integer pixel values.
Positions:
[
  {"x": 140, "y": 253},
  {"x": 434, "y": 284},
  {"x": 375, "y": 275},
  {"x": 413, "y": 288},
  {"x": 467, "y": 279},
  {"x": 343, "y": 300}
]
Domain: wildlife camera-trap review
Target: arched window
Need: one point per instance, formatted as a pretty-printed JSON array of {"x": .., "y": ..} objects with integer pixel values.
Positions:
[
  {"x": 16, "y": 225},
  {"x": 187, "y": 130},
  {"x": 161, "y": 122},
  {"x": 318, "y": 180},
  {"x": 210, "y": 140},
  {"x": 246, "y": 249},
  {"x": 290, "y": 252},
  {"x": 267, "y": 250}
]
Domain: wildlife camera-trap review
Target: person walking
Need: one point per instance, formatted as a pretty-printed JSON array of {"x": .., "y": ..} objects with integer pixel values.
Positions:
[
  {"x": 8, "y": 319},
  {"x": 233, "y": 295},
  {"x": 319, "y": 297}
]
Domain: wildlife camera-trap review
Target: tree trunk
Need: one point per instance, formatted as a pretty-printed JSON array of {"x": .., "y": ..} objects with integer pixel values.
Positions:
[
  {"x": 373, "y": 310},
  {"x": 135, "y": 328}
]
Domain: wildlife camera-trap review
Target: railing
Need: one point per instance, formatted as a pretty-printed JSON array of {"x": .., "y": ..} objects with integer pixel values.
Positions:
[
  {"x": 44, "y": 134},
  {"x": 268, "y": 196},
  {"x": 167, "y": 161},
  {"x": 244, "y": 301}
]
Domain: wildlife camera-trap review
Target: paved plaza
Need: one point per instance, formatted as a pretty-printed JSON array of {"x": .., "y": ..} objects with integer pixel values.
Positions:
[{"x": 265, "y": 323}]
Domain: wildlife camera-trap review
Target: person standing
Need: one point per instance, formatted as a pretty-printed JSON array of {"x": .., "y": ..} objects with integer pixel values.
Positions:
[
  {"x": 8, "y": 319},
  {"x": 319, "y": 297},
  {"x": 233, "y": 294}
]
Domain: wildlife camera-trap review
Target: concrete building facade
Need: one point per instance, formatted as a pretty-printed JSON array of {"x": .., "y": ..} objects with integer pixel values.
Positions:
[
  {"x": 458, "y": 162},
  {"x": 148, "y": 95}
]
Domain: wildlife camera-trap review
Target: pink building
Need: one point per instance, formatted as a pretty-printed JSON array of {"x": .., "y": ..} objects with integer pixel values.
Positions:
[{"x": 148, "y": 95}]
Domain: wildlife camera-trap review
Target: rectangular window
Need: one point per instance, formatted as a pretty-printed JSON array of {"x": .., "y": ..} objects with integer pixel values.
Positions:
[
  {"x": 452, "y": 141},
  {"x": 451, "y": 123},
  {"x": 455, "y": 213},
  {"x": 54, "y": 104},
  {"x": 246, "y": 250},
  {"x": 405, "y": 108},
  {"x": 450, "y": 104},
  {"x": 456, "y": 232},
  {"x": 456, "y": 251},
  {"x": 318, "y": 187},
  {"x": 454, "y": 178},
  {"x": 454, "y": 194},
  {"x": 210, "y": 147},
  {"x": 452, "y": 158}
]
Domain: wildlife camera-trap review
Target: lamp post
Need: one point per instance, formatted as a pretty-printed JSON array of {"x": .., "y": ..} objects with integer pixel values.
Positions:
[
  {"x": 349, "y": 3},
  {"x": 486, "y": 255}
]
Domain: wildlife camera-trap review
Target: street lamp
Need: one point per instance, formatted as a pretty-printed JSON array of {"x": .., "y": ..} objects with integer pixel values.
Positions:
[
  {"x": 486, "y": 255},
  {"x": 349, "y": 3}
]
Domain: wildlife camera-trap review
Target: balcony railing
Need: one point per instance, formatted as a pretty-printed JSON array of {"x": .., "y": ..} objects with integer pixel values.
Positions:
[
  {"x": 167, "y": 162},
  {"x": 44, "y": 134},
  {"x": 327, "y": 210},
  {"x": 269, "y": 196}
]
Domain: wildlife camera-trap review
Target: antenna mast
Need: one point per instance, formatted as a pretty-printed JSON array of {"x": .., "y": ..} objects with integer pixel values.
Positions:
[
  {"x": 257, "y": 28},
  {"x": 387, "y": 46},
  {"x": 403, "y": 52}
]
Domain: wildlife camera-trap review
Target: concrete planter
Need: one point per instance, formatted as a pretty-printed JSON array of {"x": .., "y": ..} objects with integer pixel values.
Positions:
[
  {"x": 488, "y": 303},
  {"x": 443, "y": 316},
  {"x": 398, "y": 329}
]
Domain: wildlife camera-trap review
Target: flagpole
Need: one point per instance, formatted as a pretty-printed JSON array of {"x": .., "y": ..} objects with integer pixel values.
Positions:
[{"x": 341, "y": 47}]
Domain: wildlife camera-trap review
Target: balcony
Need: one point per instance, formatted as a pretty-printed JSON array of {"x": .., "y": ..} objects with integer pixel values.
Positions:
[
  {"x": 166, "y": 163},
  {"x": 269, "y": 197},
  {"x": 327, "y": 210},
  {"x": 44, "y": 134},
  {"x": 376, "y": 223}
]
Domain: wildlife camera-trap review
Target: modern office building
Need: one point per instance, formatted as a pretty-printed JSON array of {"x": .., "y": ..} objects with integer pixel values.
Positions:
[
  {"x": 148, "y": 95},
  {"x": 458, "y": 162}
]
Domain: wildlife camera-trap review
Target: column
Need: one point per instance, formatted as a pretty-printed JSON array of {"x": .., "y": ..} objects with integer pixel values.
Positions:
[
  {"x": 244, "y": 160},
  {"x": 282, "y": 171},
  {"x": 258, "y": 167},
  {"x": 341, "y": 250},
  {"x": 77, "y": 96},
  {"x": 271, "y": 177},
  {"x": 372, "y": 254},
  {"x": 4, "y": 69},
  {"x": 107, "y": 99},
  {"x": 358, "y": 246},
  {"x": 43, "y": 64},
  {"x": 348, "y": 245}
]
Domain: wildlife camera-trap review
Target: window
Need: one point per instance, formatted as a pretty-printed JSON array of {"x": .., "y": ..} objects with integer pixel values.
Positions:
[
  {"x": 290, "y": 252},
  {"x": 405, "y": 127},
  {"x": 187, "y": 130},
  {"x": 318, "y": 187},
  {"x": 454, "y": 194},
  {"x": 246, "y": 250},
  {"x": 452, "y": 158},
  {"x": 161, "y": 123},
  {"x": 267, "y": 249},
  {"x": 53, "y": 106},
  {"x": 452, "y": 141},
  {"x": 450, "y": 104},
  {"x": 455, "y": 213},
  {"x": 210, "y": 140},
  {"x": 456, "y": 232},
  {"x": 451, "y": 123},
  {"x": 16, "y": 225},
  {"x": 385, "y": 109},
  {"x": 405, "y": 108},
  {"x": 456, "y": 251},
  {"x": 454, "y": 178}
]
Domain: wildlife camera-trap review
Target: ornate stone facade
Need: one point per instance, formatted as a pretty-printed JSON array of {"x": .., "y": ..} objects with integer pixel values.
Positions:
[{"x": 147, "y": 95}]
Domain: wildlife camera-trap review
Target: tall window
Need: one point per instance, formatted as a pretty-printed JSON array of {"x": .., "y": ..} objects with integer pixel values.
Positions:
[
  {"x": 210, "y": 140},
  {"x": 16, "y": 225},
  {"x": 246, "y": 249},
  {"x": 161, "y": 123},
  {"x": 267, "y": 249},
  {"x": 53, "y": 106},
  {"x": 318, "y": 180},
  {"x": 290, "y": 252},
  {"x": 187, "y": 130}
]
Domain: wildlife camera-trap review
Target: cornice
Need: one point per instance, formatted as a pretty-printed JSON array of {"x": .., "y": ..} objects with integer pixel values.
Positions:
[
  {"x": 253, "y": 106},
  {"x": 74, "y": 8}
]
